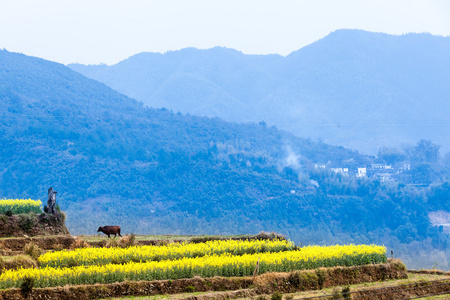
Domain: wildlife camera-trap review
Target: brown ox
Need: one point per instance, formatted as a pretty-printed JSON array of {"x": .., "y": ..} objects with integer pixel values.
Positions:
[{"x": 110, "y": 230}]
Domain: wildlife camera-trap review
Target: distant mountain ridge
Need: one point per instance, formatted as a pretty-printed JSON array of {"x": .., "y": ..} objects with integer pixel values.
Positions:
[{"x": 354, "y": 88}]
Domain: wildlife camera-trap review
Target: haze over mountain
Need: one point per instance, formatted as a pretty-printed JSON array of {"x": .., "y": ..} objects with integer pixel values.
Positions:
[
  {"x": 115, "y": 162},
  {"x": 354, "y": 88},
  {"x": 99, "y": 147}
]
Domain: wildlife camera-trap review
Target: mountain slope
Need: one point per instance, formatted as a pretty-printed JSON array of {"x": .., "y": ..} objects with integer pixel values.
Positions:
[
  {"x": 106, "y": 153},
  {"x": 115, "y": 162},
  {"x": 359, "y": 89}
]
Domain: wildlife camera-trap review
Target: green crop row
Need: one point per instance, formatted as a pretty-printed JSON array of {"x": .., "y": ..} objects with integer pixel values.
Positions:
[{"x": 206, "y": 266}]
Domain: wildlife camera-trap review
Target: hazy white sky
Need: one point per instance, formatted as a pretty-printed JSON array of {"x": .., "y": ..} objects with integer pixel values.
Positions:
[{"x": 107, "y": 31}]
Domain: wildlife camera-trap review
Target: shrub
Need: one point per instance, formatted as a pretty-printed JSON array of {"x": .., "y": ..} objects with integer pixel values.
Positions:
[
  {"x": 198, "y": 240},
  {"x": 62, "y": 217},
  {"x": 27, "y": 222},
  {"x": 23, "y": 262},
  {"x": 276, "y": 296},
  {"x": 162, "y": 243},
  {"x": 53, "y": 220},
  {"x": 397, "y": 265},
  {"x": 27, "y": 286},
  {"x": 32, "y": 250},
  {"x": 336, "y": 294},
  {"x": 341, "y": 294},
  {"x": 79, "y": 243},
  {"x": 346, "y": 293},
  {"x": 57, "y": 208},
  {"x": 127, "y": 241},
  {"x": 294, "y": 279},
  {"x": 269, "y": 236},
  {"x": 9, "y": 212},
  {"x": 112, "y": 243},
  {"x": 190, "y": 289},
  {"x": 321, "y": 277},
  {"x": 58, "y": 247}
]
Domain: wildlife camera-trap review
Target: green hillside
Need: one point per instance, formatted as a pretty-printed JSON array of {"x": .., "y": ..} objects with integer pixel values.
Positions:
[{"x": 115, "y": 162}]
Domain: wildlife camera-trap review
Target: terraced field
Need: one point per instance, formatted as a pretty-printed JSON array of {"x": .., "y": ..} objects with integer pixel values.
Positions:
[
  {"x": 188, "y": 267},
  {"x": 226, "y": 258}
]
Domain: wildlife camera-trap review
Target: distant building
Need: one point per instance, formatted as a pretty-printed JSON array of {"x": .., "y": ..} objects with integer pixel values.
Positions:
[
  {"x": 381, "y": 166},
  {"x": 362, "y": 172},
  {"x": 340, "y": 170},
  {"x": 384, "y": 177}
]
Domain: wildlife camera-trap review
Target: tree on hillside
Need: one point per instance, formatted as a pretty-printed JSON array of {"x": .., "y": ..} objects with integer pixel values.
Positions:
[
  {"x": 425, "y": 151},
  {"x": 391, "y": 155}
]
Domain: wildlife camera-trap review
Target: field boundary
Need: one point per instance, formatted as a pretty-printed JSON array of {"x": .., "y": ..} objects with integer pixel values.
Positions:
[
  {"x": 65, "y": 241},
  {"x": 45, "y": 243},
  {"x": 431, "y": 272},
  {"x": 400, "y": 292},
  {"x": 196, "y": 240},
  {"x": 262, "y": 284},
  {"x": 404, "y": 291}
]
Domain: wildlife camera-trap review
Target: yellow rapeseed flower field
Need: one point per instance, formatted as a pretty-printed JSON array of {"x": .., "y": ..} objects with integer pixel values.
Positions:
[
  {"x": 207, "y": 266},
  {"x": 20, "y": 206},
  {"x": 101, "y": 256}
]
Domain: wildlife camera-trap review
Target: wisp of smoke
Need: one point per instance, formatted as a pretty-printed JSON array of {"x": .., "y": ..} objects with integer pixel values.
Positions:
[{"x": 292, "y": 159}]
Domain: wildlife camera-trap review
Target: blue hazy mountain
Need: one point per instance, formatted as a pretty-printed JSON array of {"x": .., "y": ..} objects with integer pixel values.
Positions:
[
  {"x": 354, "y": 88},
  {"x": 115, "y": 161},
  {"x": 111, "y": 157}
]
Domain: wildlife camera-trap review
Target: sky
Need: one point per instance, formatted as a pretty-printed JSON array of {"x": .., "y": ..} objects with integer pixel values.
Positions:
[{"x": 108, "y": 31}]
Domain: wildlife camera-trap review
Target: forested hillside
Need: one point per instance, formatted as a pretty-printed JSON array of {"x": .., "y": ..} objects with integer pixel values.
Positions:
[
  {"x": 358, "y": 89},
  {"x": 115, "y": 162}
]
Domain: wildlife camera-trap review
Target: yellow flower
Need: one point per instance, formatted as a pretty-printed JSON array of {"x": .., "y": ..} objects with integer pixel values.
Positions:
[
  {"x": 20, "y": 206},
  {"x": 101, "y": 256},
  {"x": 225, "y": 264}
]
